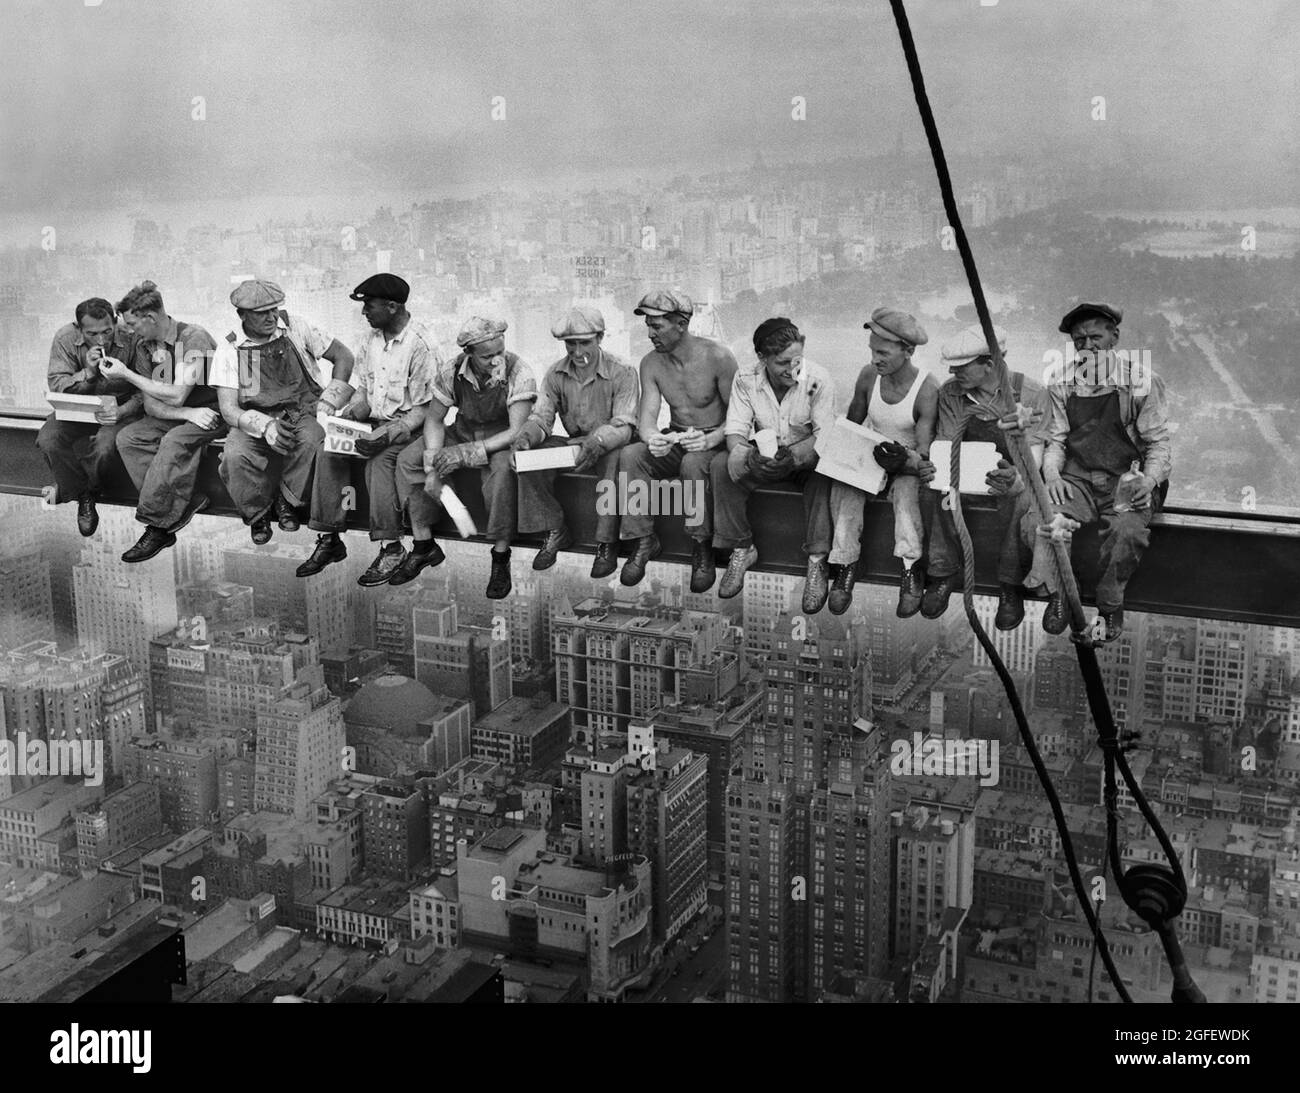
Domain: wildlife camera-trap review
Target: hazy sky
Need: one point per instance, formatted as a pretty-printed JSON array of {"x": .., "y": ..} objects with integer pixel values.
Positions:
[{"x": 317, "y": 95}]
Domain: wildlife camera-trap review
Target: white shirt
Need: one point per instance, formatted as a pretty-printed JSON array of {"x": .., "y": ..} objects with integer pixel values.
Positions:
[{"x": 225, "y": 362}]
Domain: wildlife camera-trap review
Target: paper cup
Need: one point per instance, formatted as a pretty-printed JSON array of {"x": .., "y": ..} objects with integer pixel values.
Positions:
[{"x": 765, "y": 441}]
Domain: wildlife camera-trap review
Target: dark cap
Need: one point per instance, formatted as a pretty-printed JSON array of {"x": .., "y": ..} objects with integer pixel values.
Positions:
[
  {"x": 1083, "y": 311},
  {"x": 382, "y": 286}
]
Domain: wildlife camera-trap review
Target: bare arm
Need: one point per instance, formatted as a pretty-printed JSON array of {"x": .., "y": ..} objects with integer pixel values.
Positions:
[
  {"x": 340, "y": 356},
  {"x": 165, "y": 410},
  {"x": 435, "y": 426},
  {"x": 228, "y": 403},
  {"x": 926, "y": 410},
  {"x": 651, "y": 399},
  {"x": 518, "y": 412},
  {"x": 861, "y": 402},
  {"x": 726, "y": 374}
]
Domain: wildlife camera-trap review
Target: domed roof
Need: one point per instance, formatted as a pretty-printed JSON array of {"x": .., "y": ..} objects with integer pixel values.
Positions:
[{"x": 391, "y": 702}]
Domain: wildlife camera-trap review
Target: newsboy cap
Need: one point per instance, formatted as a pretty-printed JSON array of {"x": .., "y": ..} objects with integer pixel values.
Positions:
[
  {"x": 665, "y": 301},
  {"x": 382, "y": 286},
  {"x": 478, "y": 329},
  {"x": 1085, "y": 310},
  {"x": 257, "y": 295},
  {"x": 580, "y": 322},
  {"x": 970, "y": 345},
  {"x": 897, "y": 326}
]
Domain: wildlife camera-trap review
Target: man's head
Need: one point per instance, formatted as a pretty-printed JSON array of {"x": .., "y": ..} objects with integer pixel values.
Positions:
[
  {"x": 482, "y": 339},
  {"x": 258, "y": 303},
  {"x": 582, "y": 330},
  {"x": 667, "y": 317},
  {"x": 968, "y": 358},
  {"x": 383, "y": 299},
  {"x": 142, "y": 310},
  {"x": 96, "y": 320},
  {"x": 1093, "y": 327},
  {"x": 894, "y": 334},
  {"x": 778, "y": 344}
]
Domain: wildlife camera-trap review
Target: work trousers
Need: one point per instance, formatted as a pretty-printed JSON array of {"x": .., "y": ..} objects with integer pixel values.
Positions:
[
  {"x": 731, "y": 527},
  {"x": 944, "y": 558},
  {"x": 540, "y": 511},
  {"x": 330, "y": 497},
  {"x": 163, "y": 459},
  {"x": 81, "y": 455},
  {"x": 496, "y": 481},
  {"x": 255, "y": 473},
  {"x": 1123, "y": 536},
  {"x": 848, "y": 506},
  {"x": 637, "y": 467}
]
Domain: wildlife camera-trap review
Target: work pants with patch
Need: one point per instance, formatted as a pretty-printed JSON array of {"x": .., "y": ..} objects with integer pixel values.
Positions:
[
  {"x": 163, "y": 460},
  {"x": 255, "y": 473},
  {"x": 330, "y": 498}
]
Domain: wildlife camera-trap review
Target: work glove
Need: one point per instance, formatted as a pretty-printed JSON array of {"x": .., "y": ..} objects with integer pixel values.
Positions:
[
  {"x": 457, "y": 456},
  {"x": 375, "y": 443},
  {"x": 589, "y": 451},
  {"x": 1005, "y": 481},
  {"x": 891, "y": 456}
]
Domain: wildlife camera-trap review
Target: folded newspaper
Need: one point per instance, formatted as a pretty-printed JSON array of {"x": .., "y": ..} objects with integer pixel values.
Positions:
[
  {"x": 846, "y": 453},
  {"x": 82, "y": 408},
  {"x": 978, "y": 457},
  {"x": 341, "y": 435}
]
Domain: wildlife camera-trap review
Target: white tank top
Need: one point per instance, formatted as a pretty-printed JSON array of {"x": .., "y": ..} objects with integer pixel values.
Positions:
[{"x": 896, "y": 421}]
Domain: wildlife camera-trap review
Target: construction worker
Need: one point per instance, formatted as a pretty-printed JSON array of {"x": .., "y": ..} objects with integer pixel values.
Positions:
[
  {"x": 899, "y": 401},
  {"x": 394, "y": 369},
  {"x": 594, "y": 393},
  {"x": 163, "y": 449},
  {"x": 80, "y": 454},
  {"x": 269, "y": 393},
  {"x": 974, "y": 396},
  {"x": 1106, "y": 415},
  {"x": 693, "y": 375},
  {"x": 492, "y": 392},
  {"x": 795, "y": 400}
]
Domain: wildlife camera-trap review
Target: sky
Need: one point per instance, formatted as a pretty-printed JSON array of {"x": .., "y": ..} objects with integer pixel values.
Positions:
[{"x": 97, "y": 99}]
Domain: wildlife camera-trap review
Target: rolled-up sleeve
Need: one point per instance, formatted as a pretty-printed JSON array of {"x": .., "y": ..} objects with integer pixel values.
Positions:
[
  {"x": 1054, "y": 431},
  {"x": 65, "y": 363},
  {"x": 1153, "y": 432},
  {"x": 740, "y": 409},
  {"x": 522, "y": 384},
  {"x": 440, "y": 388},
  {"x": 821, "y": 413},
  {"x": 623, "y": 407},
  {"x": 225, "y": 366}
]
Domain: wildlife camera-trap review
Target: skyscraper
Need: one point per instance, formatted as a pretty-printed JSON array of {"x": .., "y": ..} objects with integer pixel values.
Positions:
[
  {"x": 316, "y": 606},
  {"x": 299, "y": 747}
]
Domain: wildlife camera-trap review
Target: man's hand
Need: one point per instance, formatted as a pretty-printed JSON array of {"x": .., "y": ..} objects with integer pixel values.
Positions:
[
  {"x": 694, "y": 440},
  {"x": 589, "y": 451},
  {"x": 373, "y": 444},
  {"x": 925, "y": 470},
  {"x": 203, "y": 417},
  {"x": 109, "y": 416},
  {"x": 456, "y": 456},
  {"x": 658, "y": 444},
  {"x": 521, "y": 442},
  {"x": 112, "y": 368},
  {"x": 280, "y": 437},
  {"x": 1059, "y": 491},
  {"x": 891, "y": 456},
  {"x": 1142, "y": 491},
  {"x": 1005, "y": 480},
  {"x": 432, "y": 484}
]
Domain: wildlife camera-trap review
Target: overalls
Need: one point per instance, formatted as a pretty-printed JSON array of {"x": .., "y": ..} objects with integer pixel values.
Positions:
[
  {"x": 275, "y": 378},
  {"x": 163, "y": 457},
  {"x": 480, "y": 413},
  {"x": 943, "y": 557},
  {"x": 1098, "y": 450}
]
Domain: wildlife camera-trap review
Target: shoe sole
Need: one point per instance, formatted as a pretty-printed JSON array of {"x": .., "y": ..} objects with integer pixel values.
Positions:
[
  {"x": 906, "y": 613},
  {"x": 165, "y": 546},
  {"x": 374, "y": 582},
  {"x": 1004, "y": 629},
  {"x": 655, "y": 551},
  {"x": 312, "y": 572},
  {"x": 423, "y": 566}
]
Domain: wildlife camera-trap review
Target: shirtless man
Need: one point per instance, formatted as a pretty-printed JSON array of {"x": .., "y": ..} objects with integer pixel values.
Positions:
[
  {"x": 899, "y": 401},
  {"x": 694, "y": 375}
]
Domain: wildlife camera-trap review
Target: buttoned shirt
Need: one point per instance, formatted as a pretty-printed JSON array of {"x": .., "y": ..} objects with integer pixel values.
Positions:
[
  {"x": 305, "y": 336},
  {"x": 396, "y": 374},
  {"x": 68, "y": 357},
  {"x": 178, "y": 359},
  {"x": 1145, "y": 418},
  {"x": 508, "y": 369},
  {"x": 599, "y": 404},
  {"x": 957, "y": 404},
  {"x": 797, "y": 419}
]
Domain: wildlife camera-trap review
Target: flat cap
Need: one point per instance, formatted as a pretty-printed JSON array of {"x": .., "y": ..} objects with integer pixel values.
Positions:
[
  {"x": 665, "y": 301},
  {"x": 580, "y": 322},
  {"x": 257, "y": 295},
  {"x": 382, "y": 286},
  {"x": 970, "y": 345},
  {"x": 478, "y": 329},
  {"x": 1085, "y": 310},
  {"x": 897, "y": 326}
]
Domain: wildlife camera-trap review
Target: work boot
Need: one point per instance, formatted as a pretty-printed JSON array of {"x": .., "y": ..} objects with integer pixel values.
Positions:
[
  {"x": 261, "y": 529},
  {"x": 285, "y": 515},
  {"x": 198, "y": 503},
  {"x": 1055, "y": 619},
  {"x": 606, "y": 560},
  {"x": 391, "y": 555},
  {"x": 149, "y": 544},
  {"x": 1114, "y": 620},
  {"x": 329, "y": 549},
  {"x": 910, "y": 591},
  {"x": 935, "y": 600},
  {"x": 559, "y": 539},
  {"x": 422, "y": 554},
  {"x": 815, "y": 586},
  {"x": 646, "y": 548},
  {"x": 498, "y": 586},
  {"x": 87, "y": 517},
  {"x": 1011, "y": 607},
  {"x": 842, "y": 583},
  {"x": 704, "y": 570},
  {"x": 733, "y": 580}
]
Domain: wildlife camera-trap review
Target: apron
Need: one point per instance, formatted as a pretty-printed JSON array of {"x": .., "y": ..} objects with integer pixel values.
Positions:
[
  {"x": 1098, "y": 440},
  {"x": 481, "y": 411},
  {"x": 284, "y": 380},
  {"x": 988, "y": 431}
]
